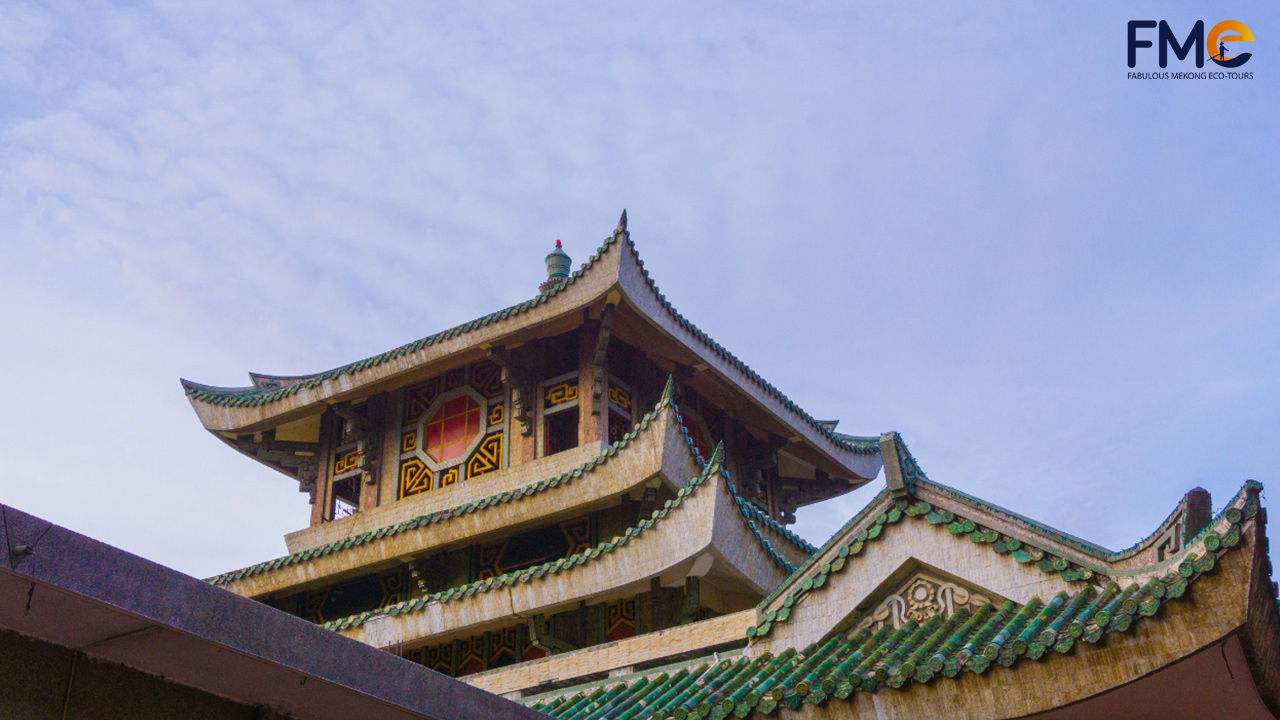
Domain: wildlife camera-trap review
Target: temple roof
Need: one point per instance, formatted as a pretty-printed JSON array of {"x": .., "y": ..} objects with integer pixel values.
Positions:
[
  {"x": 847, "y": 666},
  {"x": 614, "y": 268}
]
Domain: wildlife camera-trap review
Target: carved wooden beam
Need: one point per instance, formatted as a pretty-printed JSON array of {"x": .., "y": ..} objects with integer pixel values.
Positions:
[
  {"x": 309, "y": 477},
  {"x": 300, "y": 459},
  {"x": 366, "y": 435},
  {"x": 681, "y": 377},
  {"x": 765, "y": 456},
  {"x": 597, "y": 363},
  {"x": 520, "y": 382}
]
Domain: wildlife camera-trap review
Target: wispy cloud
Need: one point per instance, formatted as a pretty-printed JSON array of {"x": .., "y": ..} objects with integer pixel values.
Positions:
[{"x": 961, "y": 222}]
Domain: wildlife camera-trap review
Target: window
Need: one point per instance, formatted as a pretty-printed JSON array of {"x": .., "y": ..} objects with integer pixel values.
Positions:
[
  {"x": 450, "y": 432},
  {"x": 346, "y": 497},
  {"x": 618, "y": 427},
  {"x": 562, "y": 431},
  {"x": 453, "y": 429},
  {"x": 621, "y": 401}
]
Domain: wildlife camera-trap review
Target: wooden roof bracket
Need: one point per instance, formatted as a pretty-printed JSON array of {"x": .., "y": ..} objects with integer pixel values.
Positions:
[
  {"x": 366, "y": 435},
  {"x": 519, "y": 381},
  {"x": 295, "y": 458},
  {"x": 602, "y": 350}
]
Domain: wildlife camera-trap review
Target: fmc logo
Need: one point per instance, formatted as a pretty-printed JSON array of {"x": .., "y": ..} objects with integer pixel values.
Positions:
[{"x": 1227, "y": 31}]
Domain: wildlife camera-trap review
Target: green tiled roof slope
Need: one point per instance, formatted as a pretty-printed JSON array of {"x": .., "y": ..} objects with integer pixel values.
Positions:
[
  {"x": 917, "y": 653},
  {"x": 893, "y": 513},
  {"x": 887, "y": 512},
  {"x": 252, "y": 395},
  {"x": 916, "y": 476}
]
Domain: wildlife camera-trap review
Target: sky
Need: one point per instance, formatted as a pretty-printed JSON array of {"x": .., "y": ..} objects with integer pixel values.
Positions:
[{"x": 960, "y": 221}]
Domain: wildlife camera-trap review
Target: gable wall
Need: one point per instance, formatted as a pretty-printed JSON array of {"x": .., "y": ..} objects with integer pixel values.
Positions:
[{"x": 908, "y": 540}]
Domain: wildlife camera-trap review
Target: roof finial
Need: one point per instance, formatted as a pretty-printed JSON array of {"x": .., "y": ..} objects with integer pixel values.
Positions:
[
  {"x": 622, "y": 223},
  {"x": 716, "y": 460},
  {"x": 558, "y": 263},
  {"x": 669, "y": 392}
]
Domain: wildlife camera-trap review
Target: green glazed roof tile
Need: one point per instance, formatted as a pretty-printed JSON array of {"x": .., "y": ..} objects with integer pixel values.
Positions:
[{"x": 933, "y": 651}]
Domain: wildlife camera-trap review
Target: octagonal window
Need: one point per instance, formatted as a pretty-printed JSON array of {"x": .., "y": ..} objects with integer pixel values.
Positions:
[{"x": 450, "y": 432}]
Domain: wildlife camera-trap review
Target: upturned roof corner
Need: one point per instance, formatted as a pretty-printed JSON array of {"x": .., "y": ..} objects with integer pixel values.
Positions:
[{"x": 614, "y": 270}]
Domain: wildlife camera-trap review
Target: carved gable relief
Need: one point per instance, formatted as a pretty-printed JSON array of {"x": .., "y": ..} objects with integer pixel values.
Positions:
[{"x": 920, "y": 597}]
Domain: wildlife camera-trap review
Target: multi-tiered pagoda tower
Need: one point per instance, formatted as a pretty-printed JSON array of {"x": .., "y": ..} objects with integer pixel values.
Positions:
[{"x": 582, "y": 501}]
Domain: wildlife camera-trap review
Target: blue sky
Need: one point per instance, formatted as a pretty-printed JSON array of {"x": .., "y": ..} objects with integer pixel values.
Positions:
[{"x": 959, "y": 222}]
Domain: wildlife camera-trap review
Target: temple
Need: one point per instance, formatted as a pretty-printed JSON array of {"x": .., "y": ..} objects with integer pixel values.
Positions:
[{"x": 581, "y": 502}]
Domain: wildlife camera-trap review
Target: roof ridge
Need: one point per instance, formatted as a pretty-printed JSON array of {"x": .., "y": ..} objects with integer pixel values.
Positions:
[
  {"x": 251, "y": 395},
  {"x": 851, "y": 443},
  {"x": 911, "y": 466},
  {"x": 804, "y": 567},
  {"x": 1023, "y": 553}
]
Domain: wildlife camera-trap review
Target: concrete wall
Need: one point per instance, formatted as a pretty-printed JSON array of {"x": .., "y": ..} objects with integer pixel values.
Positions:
[
  {"x": 706, "y": 523},
  {"x": 904, "y": 543},
  {"x": 615, "y": 655},
  {"x": 658, "y": 451}
]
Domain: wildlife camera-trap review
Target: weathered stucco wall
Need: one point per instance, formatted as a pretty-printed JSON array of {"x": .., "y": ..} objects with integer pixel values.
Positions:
[
  {"x": 706, "y": 523},
  {"x": 615, "y": 655},
  {"x": 658, "y": 451}
]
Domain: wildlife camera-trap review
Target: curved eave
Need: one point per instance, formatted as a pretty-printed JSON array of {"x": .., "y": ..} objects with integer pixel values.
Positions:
[
  {"x": 862, "y": 460},
  {"x": 700, "y": 521},
  {"x": 615, "y": 265},
  {"x": 657, "y": 447}
]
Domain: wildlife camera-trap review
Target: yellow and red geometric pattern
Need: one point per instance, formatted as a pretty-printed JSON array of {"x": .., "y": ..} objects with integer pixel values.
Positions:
[
  {"x": 450, "y": 431},
  {"x": 415, "y": 477},
  {"x": 620, "y": 619},
  {"x": 578, "y": 533},
  {"x": 504, "y": 647},
  {"x": 486, "y": 378},
  {"x": 471, "y": 655},
  {"x": 487, "y": 457},
  {"x": 453, "y": 433},
  {"x": 453, "y": 379},
  {"x": 346, "y": 461},
  {"x": 419, "y": 398},
  {"x": 620, "y": 397},
  {"x": 561, "y": 393},
  {"x": 392, "y": 583}
]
